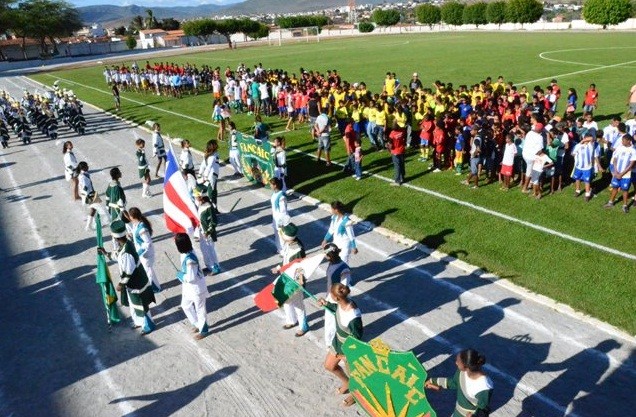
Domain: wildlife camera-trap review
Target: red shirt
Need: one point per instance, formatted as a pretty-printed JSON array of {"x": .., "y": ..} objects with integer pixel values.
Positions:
[
  {"x": 349, "y": 138},
  {"x": 439, "y": 137},
  {"x": 591, "y": 96},
  {"x": 397, "y": 139}
]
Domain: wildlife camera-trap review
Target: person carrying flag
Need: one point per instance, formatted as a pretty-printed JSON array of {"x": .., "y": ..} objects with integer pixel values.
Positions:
[
  {"x": 134, "y": 285},
  {"x": 293, "y": 305}
]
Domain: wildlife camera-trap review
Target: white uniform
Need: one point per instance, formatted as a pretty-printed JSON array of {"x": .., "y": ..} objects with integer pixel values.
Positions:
[
  {"x": 70, "y": 164},
  {"x": 194, "y": 292},
  {"x": 234, "y": 154},
  {"x": 341, "y": 233},
  {"x": 146, "y": 251},
  {"x": 279, "y": 212}
]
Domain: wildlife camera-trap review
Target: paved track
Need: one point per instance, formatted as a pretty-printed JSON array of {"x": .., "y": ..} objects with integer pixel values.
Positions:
[{"x": 57, "y": 357}]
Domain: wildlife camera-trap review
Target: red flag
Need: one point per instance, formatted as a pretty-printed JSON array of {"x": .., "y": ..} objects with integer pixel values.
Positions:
[{"x": 265, "y": 299}]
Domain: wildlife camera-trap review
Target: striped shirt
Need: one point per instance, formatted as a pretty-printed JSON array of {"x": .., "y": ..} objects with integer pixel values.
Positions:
[
  {"x": 623, "y": 157},
  {"x": 584, "y": 155}
]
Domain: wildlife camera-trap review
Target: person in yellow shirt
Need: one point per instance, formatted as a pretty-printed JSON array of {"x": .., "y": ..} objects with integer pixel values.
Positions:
[
  {"x": 389, "y": 85},
  {"x": 380, "y": 125},
  {"x": 342, "y": 116}
]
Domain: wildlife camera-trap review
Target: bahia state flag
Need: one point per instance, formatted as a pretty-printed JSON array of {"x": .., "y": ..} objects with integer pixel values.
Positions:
[
  {"x": 102, "y": 277},
  {"x": 179, "y": 210},
  {"x": 287, "y": 283}
]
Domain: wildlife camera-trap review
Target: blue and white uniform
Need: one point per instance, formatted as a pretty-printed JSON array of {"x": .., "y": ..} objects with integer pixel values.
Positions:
[
  {"x": 194, "y": 292},
  {"x": 623, "y": 157},
  {"x": 341, "y": 233},
  {"x": 146, "y": 251},
  {"x": 584, "y": 156}
]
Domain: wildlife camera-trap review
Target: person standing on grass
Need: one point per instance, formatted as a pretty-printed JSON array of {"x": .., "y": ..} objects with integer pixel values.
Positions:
[
  {"x": 475, "y": 157},
  {"x": 194, "y": 292},
  {"x": 532, "y": 144},
  {"x": 234, "y": 155},
  {"x": 426, "y": 135},
  {"x": 397, "y": 146},
  {"x": 474, "y": 388},
  {"x": 70, "y": 168},
  {"x": 357, "y": 159},
  {"x": 586, "y": 155},
  {"x": 159, "y": 149},
  {"x": 510, "y": 150},
  {"x": 590, "y": 102},
  {"x": 539, "y": 165},
  {"x": 116, "y": 97},
  {"x": 348, "y": 323},
  {"x": 459, "y": 150},
  {"x": 623, "y": 161},
  {"x": 322, "y": 131},
  {"x": 439, "y": 143}
]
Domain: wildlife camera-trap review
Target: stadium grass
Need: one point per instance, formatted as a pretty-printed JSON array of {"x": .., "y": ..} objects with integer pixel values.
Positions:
[{"x": 589, "y": 280}]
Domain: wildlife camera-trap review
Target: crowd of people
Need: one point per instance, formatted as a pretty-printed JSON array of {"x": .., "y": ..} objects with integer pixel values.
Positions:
[{"x": 489, "y": 130}]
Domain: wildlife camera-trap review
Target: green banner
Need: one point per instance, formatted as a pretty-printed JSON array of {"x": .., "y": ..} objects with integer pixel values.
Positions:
[
  {"x": 256, "y": 159},
  {"x": 386, "y": 382}
]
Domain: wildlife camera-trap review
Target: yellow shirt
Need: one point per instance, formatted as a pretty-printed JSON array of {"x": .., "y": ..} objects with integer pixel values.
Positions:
[
  {"x": 389, "y": 86},
  {"x": 373, "y": 112},
  {"x": 416, "y": 120},
  {"x": 355, "y": 115},
  {"x": 380, "y": 118},
  {"x": 338, "y": 97},
  {"x": 341, "y": 112},
  {"x": 400, "y": 118}
]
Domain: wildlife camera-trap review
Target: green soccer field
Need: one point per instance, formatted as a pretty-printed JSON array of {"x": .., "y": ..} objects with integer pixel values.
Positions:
[{"x": 575, "y": 252}]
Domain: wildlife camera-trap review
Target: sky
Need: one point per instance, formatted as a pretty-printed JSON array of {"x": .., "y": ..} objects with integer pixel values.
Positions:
[{"x": 156, "y": 3}]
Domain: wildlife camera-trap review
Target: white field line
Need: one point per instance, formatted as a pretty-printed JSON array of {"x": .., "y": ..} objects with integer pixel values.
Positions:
[
  {"x": 543, "y": 54},
  {"x": 567, "y": 74},
  {"x": 494, "y": 213},
  {"x": 85, "y": 340},
  {"x": 527, "y": 390}
]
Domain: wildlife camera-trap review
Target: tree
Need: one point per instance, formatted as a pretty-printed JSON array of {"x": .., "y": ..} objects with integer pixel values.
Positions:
[
  {"x": 227, "y": 28},
  {"x": 388, "y": 17},
  {"x": 365, "y": 27},
  {"x": 428, "y": 14},
  {"x": 119, "y": 31},
  {"x": 262, "y": 31},
  {"x": 150, "y": 22},
  {"x": 606, "y": 12},
  {"x": 496, "y": 12},
  {"x": 169, "y": 23},
  {"x": 202, "y": 29},
  {"x": 6, "y": 14},
  {"x": 523, "y": 11},
  {"x": 131, "y": 42},
  {"x": 45, "y": 19},
  {"x": 475, "y": 14},
  {"x": 137, "y": 23},
  {"x": 289, "y": 22},
  {"x": 453, "y": 13}
]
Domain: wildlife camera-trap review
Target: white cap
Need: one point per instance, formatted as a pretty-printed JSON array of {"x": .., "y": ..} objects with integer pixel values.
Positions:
[{"x": 415, "y": 74}]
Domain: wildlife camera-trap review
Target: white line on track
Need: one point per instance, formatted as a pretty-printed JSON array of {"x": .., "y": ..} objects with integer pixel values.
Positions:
[{"x": 494, "y": 213}]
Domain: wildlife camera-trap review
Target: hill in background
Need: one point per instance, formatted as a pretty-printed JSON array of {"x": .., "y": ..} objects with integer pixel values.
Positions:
[{"x": 109, "y": 15}]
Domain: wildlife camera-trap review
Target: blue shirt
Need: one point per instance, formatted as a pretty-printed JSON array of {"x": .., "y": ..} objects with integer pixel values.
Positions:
[{"x": 459, "y": 142}]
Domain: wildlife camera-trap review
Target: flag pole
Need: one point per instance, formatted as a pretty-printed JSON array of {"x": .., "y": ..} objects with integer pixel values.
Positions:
[{"x": 170, "y": 259}]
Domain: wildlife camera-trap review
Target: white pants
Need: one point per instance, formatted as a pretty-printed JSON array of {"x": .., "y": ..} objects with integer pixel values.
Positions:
[
  {"x": 195, "y": 311},
  {"x": 330, "y": 328},
  {"x": 148, "y": 263},
  {"x": 277, "y": 241},
  {"x": 295, "y": 310},
  {"x": 137, "y": 321},
  {"x": 234, "y": 160},
  {"x": 208, "y": 251},
  {"x": 345, "y": 254}
]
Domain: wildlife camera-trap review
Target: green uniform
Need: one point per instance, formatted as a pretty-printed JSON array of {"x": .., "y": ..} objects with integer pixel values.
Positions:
[
  {"x": 207, "y": 216},
  {"x": 142, "y": 163},
  {"x": 348, "y": 323},
  {"x": 115, "y": 200},
  {"x": 133, "y": 276},
  {"x": 472, "y": 394}
]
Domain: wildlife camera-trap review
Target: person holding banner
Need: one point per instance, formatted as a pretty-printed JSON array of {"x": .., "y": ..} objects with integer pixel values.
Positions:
[
  {"x": 194, "y": 292},
  {"x": 279, "y": 210},
  {"x": 348, "y": 323},
  {"x": 341, "y": 232},
  {"x": 294, "y": 305},
  {"x": 134, "y": 284},
  {"x": 337, "y": 271},
  {"x": 473, "y": 386}
]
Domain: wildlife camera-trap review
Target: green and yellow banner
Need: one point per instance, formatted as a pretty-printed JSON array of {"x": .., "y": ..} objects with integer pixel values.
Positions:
[
  {"x": 384, "y": 382},
  {"x": 256, "y": 159}
]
